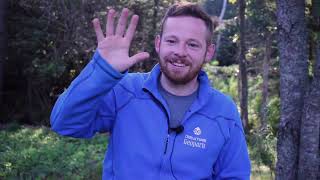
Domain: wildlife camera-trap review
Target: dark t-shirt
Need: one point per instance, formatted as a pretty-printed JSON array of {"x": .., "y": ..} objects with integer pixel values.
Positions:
[{"x": 178, "y": 105}]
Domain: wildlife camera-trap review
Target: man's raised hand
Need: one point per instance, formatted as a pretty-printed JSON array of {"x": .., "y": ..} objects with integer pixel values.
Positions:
[{"x": 114, "y": 46}]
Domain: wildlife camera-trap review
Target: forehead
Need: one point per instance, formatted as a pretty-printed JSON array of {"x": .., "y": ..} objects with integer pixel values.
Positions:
[{"x": 185, "y": 27}]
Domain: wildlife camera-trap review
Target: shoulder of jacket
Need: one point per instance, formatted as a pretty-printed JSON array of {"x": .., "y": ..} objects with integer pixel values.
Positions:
[
  {"x": 132, "y": 82},
  {"x": 223, "y": 111},
  {"x": 223, "y": 104},
  {"x": 221, "y": 107}
]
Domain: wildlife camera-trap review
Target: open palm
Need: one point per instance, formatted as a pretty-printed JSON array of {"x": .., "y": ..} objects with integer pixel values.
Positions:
[{"x": 114, "y": 46}]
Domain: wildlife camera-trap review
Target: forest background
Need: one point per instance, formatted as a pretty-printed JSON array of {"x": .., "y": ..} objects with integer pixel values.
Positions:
[{"x": 267, "y": 60}]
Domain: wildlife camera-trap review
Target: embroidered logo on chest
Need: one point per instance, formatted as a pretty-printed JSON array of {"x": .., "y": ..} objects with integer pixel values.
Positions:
[
  {"x": 197, "y": 131},
  {"x": 194, "y": 140}
]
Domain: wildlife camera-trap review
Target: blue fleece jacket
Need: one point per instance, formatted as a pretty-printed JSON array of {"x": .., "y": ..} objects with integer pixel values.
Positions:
[{"x": 129, "y": 106}]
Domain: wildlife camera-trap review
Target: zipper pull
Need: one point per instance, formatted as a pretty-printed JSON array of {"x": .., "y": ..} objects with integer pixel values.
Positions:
[{"x": 167, "y": 140}]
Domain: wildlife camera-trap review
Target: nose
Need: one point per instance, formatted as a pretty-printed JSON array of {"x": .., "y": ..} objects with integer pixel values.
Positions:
[{"x": 180, "y": 50}]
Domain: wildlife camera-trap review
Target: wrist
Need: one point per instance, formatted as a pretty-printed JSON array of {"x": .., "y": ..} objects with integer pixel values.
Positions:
[{"x": 106, "y": 66}]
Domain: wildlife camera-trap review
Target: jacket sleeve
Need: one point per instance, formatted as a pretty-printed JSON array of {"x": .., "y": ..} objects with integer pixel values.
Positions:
[
  {"x": 233, "y": 162},
  {"x": 87, "y": 106}
]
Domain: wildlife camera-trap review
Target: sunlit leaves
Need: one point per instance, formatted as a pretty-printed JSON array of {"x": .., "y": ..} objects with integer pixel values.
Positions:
[{"x": 232, "y": 1}]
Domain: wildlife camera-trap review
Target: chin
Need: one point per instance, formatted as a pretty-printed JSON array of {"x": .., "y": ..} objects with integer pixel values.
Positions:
[{"x": 181, "y": 80}]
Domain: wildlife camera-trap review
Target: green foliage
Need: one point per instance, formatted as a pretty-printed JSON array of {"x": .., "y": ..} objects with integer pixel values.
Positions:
[
  {"x": 214, "y": 7},
  {"x": 38, "y": 153},
  {"x": 227, "y": 53},
  {"x": 255, "y": 100},
  {"x": 274, "y": 114},
  {"x": 224, "y": 79},
  {"x": 262, "y": 143},
  {"x": 262, "y": 148}
]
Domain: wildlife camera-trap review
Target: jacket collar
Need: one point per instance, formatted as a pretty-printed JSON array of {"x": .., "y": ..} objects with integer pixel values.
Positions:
[{"x": 151, "y": 85}]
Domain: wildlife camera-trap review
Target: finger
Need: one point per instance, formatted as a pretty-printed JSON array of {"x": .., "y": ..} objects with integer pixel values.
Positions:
[
  {"x": 97, "y": 29},
  {"x": 110, "y": 22},
  {"x": 122, "y": 22},
  {"x": 139, "y": 57},
  {"x": 132, "y": 27}
]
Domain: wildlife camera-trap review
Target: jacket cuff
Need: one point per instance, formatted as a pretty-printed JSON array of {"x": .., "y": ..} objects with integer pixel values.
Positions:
[{"x": 106, "y": 67}]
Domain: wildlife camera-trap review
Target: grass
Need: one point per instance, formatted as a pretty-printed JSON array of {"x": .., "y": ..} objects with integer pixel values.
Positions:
[{"x": 39, "y": 153}]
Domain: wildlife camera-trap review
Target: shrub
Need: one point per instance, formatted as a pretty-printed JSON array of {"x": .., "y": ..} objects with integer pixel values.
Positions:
[
  {"x": 262, "y": 148},
  {"x": 32, "y": 153}
]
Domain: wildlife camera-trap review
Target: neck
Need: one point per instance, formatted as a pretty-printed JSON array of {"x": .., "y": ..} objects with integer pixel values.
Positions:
[{"x": 179, "y": 89}]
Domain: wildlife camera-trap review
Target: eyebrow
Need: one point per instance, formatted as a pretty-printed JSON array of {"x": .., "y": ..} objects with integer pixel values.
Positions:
[
  {"x": 175, "y": 37},
  {"x": 170, "y": 36}
]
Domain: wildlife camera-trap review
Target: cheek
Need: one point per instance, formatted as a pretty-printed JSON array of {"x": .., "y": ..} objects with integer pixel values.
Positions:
[
  {"x": 197, "y": 55},
  {"x": 164, "y": 52}
]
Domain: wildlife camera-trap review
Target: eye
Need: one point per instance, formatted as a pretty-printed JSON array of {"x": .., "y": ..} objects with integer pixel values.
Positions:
[
  {"x": 170, "y": 41},
  {"x": 193, "y": 45}
]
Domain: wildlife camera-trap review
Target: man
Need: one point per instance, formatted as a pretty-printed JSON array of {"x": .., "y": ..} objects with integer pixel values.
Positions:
[{"x": 166, "y": 124}]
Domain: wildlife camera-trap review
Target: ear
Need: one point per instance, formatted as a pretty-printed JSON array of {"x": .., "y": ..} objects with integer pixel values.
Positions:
[
  {"x": 157, "y": 42},
  {"x": 210, "y": 52}
]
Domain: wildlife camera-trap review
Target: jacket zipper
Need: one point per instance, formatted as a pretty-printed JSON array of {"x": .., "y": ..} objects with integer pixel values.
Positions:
[{"x": 166, "y": 146}]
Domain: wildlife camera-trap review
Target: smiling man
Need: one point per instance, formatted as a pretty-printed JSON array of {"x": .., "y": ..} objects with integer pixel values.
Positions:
[
  {"x": 165, "y": 124},
  {"x": 183, "y": 48}
]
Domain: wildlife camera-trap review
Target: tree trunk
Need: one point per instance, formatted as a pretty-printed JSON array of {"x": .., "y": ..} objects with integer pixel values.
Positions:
[
  {"x": 310, "y": 125},
  {"x": 3, "y": 42},
  {"x": 30, "y": 99},
  {"x": 292, "y": 44},
  {"x": 223, "y": 10},
  {"x": 265, "y": 76},
  {"x": 243, "y": 85}
]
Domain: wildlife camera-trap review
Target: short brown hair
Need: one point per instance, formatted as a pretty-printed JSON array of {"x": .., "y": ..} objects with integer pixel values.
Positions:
[{"x": 192, "y": 10}]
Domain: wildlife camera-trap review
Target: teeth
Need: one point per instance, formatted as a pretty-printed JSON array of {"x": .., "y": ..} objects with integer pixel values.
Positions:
[{"x": 178, "y": 64}]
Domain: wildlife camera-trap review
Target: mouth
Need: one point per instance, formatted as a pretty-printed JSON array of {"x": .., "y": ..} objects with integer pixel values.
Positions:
[{"x": 178, "y": 64}]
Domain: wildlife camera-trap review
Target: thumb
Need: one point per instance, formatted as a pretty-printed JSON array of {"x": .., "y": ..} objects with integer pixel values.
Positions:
[{"x": 139, "y": 57}]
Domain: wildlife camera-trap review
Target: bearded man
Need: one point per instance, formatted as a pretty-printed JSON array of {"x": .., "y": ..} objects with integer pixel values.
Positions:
[{"x": 165, "y": 124}]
